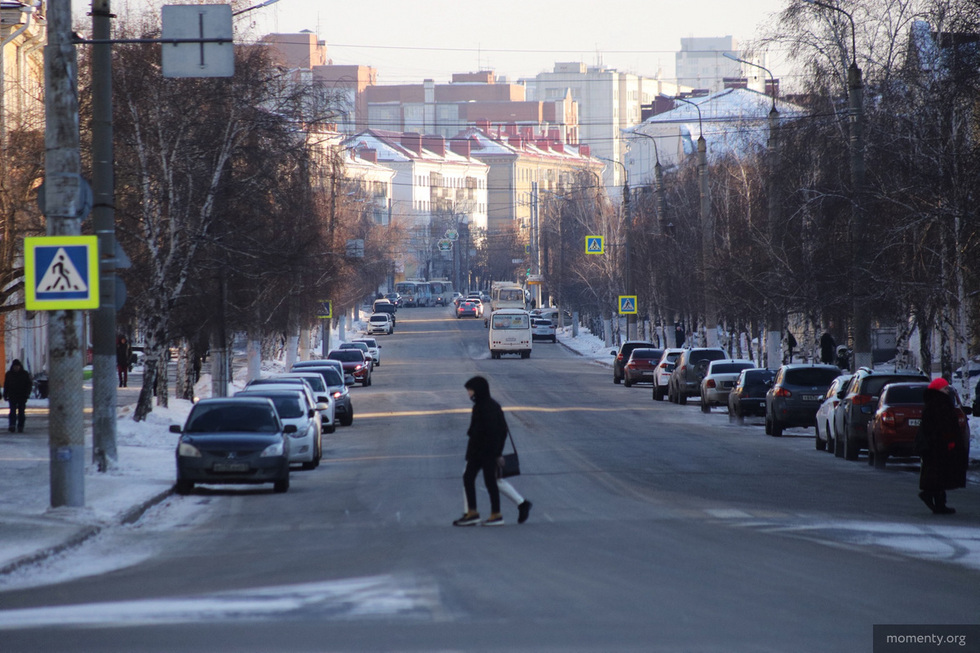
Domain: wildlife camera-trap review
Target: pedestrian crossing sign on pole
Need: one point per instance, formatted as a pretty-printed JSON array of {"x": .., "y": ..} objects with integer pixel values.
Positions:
[
  {"x": 325, "y": 311},
  {"x": 627, "y": 304},
  {"x": 61, "y": 273},
  {"x": 595, "y": 245}
]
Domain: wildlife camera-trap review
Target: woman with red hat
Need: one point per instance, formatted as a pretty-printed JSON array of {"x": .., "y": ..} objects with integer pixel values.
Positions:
[{"x": 941, "y": 448}]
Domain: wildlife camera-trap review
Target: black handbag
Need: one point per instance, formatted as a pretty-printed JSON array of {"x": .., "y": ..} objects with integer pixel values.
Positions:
[{"x": 512, "y": 464}]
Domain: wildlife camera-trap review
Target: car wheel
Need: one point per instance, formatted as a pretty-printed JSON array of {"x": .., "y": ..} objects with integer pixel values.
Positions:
[
  {"x": 838, "y": 447},
  {"x": 777, "y": 429},
  {"x": 830, "y": 440},
  {"x": 681, "y": 398},
  {"x": 282, "y": 485},
  {"x": 768, "y": 425},
  {"x": 705, "y": 408},
  {"x": 616, "y": 379},
  {"x": 183, "y": 487},
  {"x": 627, "y": 382},
  {"x": 554, "y": 339},
  {"x": 658, "y": 393},
  {"x": 818, "y": 443},
  {"x": 850, "y": 447},
  {"x": 880, "y": 460},
  {"x": 307, "y": 466},
  {"x": 330, "y": 429},
  {"x": 348, "y": 420}
]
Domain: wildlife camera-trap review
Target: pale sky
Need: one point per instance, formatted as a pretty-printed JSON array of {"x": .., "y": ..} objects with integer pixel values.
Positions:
[{"x": 407, "y": 41}]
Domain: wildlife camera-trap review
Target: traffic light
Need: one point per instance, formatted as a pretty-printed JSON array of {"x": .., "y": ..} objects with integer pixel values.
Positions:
[{"x": 528, "y": 273}]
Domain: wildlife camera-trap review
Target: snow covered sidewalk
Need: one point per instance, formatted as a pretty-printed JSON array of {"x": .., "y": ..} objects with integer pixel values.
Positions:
[{"x": 30, "y": 530}]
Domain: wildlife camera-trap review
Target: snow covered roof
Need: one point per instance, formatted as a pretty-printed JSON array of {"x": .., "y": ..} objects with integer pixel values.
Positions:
[
  {"x": 733, "y": 120},
  {"x": 485, "y": 145},
  {"x": 398, "y": 147}
]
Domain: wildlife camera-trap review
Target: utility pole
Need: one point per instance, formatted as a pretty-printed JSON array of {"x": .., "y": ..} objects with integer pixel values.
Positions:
[
  {"x": 103, "y": 218},
  {"x": 62, "y": 191},
  {"x": 860, "y": 312},
  {"x": 707, "y": 245}
]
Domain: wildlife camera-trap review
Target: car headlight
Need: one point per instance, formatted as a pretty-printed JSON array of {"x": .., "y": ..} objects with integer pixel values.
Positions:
[
  {"x": 188, "y": 450},
  {"x": 273, "y": 450}
]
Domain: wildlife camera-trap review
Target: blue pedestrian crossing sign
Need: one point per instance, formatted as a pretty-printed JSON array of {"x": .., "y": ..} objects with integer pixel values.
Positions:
[
  {"x": 627, "y": 304},
  {"x": 595, "y": 245},
  {"x": 325, "y": 311},
  {"x": 61, "y": 273}
]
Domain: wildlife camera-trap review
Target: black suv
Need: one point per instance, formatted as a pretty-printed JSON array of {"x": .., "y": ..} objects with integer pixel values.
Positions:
[
  {"x": 748, "y": 397},
  {"x": 858, "y": 405},
  {"x": 796, "y": 395},
  {"x": 623, "y": 355}
]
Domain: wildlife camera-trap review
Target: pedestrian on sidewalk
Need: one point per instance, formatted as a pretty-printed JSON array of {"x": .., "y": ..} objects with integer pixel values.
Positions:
[
  {"x": 123, "y": 352},
  {"x": 941, "y": 448},
  {"x": 484, "y": 452},
  {"x": 17, "y": 386}
]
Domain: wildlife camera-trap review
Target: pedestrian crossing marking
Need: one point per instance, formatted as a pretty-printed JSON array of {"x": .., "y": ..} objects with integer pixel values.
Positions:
[
  {"x": 61, "y": 276},
  {"x": 627, "y": 304},
  {"x": 61, "y": 273},
  {"x": 595, "y": 245}
]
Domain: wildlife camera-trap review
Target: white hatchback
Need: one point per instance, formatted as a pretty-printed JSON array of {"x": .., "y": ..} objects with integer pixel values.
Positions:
[{"x": 379, "y": 323}]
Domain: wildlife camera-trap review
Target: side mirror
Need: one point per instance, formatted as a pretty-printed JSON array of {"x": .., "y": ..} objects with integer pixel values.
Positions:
[
  {"x": 311, "y": 412},
  {"x": 613, "y": 352},
  {"x": 322, "y": 406},
  {"x": 289, "y": 428},
  {"x": 175, "y": 428}
]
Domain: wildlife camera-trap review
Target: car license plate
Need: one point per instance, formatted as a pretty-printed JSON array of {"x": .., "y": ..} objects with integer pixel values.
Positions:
[
  {"x": 914, "y": 422},
  {"x": 811, "y": 397},
  {"x": 231, "y": 467}
]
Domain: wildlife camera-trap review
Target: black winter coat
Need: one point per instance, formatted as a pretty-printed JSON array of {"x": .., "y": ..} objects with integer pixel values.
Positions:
[
  {"x": 940, "y": 444},
  {"x": 488, "y": 426},
  {"x": 17, "y": 384}
]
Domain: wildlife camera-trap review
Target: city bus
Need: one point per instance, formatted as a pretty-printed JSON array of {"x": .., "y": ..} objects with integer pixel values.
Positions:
[
  {"x": 442, "y": 292},
  {"x": 407, "y": 290}
]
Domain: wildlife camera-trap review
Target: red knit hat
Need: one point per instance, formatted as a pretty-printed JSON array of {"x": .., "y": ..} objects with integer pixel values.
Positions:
[{"x": 938, "y": 384}]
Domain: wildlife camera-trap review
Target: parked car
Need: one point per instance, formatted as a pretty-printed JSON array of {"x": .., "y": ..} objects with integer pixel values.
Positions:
[
  {"x": 233, "y": 440},
  {"x": 293, "y": 407},
  {"x": 825, "y": 414},
  {"x": 325, "y": 403},
  {"x": 689, "y": 369},
  {"x": 467, "y": 308},
  {"x": 373, "y": 347},
  {"x": 623, "y": 355},
  {"x": 663, "y": 370},
  {"x": 354, "y": 363},
  {"x": 895, "y": 423},
  {"x": 337, "y": 382},
  {"x": 796, "y": 394},
  {"x": 719, "y": 380},
  {"x": 748, "y": 397},
  {"x": 395, "y": 298},
  {"x": 354, "y": 344},
  {"x": 321, "y": 362},
  {"x": 857, "y": 406},
  {"x": 385, "y": 306},
  {"x": 380, "y": 323},
  {"x": 543, "y": 329},
  {"x": 640, "y": 365}
]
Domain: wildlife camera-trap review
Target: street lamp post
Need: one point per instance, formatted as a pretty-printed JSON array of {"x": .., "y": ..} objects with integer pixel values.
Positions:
[
  {"x": 658, "y": 175},
  {"x": 861, "y": 315},
  {"x": 628, "y": 211},
  {"x": 774, "y": 313},
  {"x": 707, "y": 232}
]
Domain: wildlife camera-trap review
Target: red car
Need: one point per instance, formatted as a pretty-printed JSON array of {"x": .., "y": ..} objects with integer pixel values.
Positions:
[
  {"x": 891, "y": 432},
  {"x": 354, "y": 363},
  {"x": 640, "y": 366}
]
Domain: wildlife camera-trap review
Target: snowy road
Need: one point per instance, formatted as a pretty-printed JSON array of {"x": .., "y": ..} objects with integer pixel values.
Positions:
[{"x": 654, "y": 528}]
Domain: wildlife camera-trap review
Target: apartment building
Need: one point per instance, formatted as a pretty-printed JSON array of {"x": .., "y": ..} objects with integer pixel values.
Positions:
[
  {"x": 517, "y": 160},
  {"x": 436, "y": 184},
  {"x": 471, "y": 98},
  {"x": 608, "y": 102}
]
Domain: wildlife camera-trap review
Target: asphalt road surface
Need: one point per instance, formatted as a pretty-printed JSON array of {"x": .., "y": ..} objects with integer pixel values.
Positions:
[{"x": 654, "y": 528}]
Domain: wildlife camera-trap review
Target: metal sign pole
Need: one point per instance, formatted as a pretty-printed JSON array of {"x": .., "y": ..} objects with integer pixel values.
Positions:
[{"x": 62, "y": 166}]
